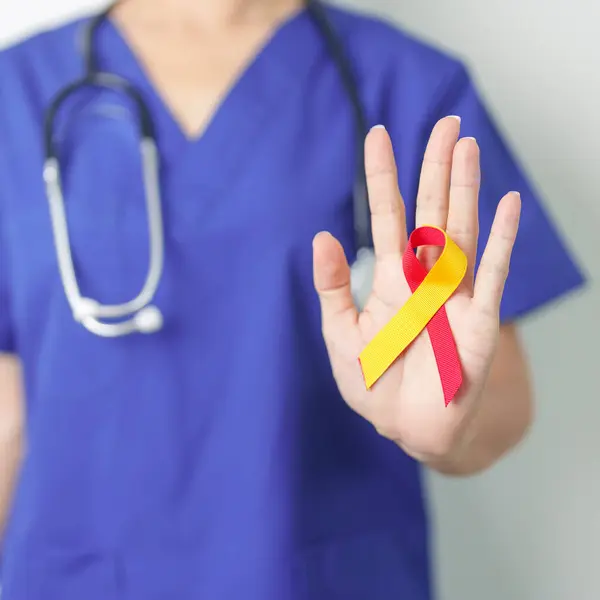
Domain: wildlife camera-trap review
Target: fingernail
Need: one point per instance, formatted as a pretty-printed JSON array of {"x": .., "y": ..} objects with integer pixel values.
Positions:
[
  {"x": 470, "y": 138},
  {"x": 516, "y": 193},
  {"x": 379, "y": 127},
  {"x": 321, "y": 233},
  {"x": 454, "y": 117}
]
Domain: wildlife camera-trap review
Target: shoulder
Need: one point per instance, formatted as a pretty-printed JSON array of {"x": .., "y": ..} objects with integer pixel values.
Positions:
[
  {"x": 38, "y": 65},
  {"x": 31, "y": 73},
  {"x": 386, "y": 50},
  {"x": 44, "y": 41}
]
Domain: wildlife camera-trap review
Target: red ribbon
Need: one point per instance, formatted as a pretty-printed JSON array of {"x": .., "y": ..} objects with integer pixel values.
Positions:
[{"x": 438, "y": 328}]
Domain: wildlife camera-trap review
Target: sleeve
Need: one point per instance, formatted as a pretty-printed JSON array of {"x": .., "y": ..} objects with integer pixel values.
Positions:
[
  {"x": 7, "y": 344},
  {"x": 542, "y": 268},
  {"x": 7, "y": 341}
]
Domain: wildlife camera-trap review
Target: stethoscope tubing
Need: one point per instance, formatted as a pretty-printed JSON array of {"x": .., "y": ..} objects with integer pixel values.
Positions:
[{"x": 138, "y": 314}]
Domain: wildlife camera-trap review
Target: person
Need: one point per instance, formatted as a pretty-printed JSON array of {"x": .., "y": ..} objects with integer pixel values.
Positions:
[{"x": 235, "y": 452}]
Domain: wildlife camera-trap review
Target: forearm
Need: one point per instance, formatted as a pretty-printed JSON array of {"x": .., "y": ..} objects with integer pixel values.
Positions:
[
  {"x": 504, "y": 415},
  {"x": 11, "y": 432},
  {"x": 11, "y": 449}
]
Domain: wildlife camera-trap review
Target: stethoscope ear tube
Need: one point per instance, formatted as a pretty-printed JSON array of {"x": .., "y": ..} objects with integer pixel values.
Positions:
[
  {"x": 364, "y": 265},
  {"x": 362, "y": 215}
]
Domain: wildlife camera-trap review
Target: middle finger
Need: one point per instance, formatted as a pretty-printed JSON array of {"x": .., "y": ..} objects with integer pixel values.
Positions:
[{"x": 434, "y": 183}]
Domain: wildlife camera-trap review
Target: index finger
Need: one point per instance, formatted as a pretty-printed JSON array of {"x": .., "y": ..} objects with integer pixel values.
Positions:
[{"x": 388, "y": 220}]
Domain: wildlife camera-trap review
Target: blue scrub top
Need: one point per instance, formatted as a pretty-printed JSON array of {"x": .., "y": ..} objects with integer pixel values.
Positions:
[{"x": 216, "y": 459}]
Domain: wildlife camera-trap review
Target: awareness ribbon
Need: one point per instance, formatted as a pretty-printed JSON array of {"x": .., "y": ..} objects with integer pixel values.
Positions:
[{"x": 424, "y": 309}]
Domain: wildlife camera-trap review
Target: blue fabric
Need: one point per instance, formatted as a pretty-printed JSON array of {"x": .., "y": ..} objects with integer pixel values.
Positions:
[{"x": 216, "y": 459}]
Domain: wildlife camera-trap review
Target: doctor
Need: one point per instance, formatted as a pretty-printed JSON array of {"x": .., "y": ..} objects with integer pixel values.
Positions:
[{"x": 224, "y": 446}]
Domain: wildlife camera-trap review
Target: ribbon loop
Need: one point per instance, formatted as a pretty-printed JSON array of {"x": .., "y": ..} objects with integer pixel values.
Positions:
[{"x": 424, "y": 309}]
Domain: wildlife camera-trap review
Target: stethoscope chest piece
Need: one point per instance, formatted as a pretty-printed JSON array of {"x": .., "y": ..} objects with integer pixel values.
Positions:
[
  {"x": 362, "y": 274},
  {"x": 88, "y": 312}
]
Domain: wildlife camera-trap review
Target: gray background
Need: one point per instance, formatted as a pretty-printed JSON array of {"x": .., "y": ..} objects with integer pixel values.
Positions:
[{"x": 530, "y": 528}]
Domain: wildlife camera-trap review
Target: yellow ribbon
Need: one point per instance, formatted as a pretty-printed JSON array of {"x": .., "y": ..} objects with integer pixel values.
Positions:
[{"x": 436, "y": 288}]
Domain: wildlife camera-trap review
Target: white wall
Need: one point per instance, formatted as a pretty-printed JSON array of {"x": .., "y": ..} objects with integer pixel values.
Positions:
[
  {"x": 20, "y": 17},
  {"x": 529, "y": 529}
]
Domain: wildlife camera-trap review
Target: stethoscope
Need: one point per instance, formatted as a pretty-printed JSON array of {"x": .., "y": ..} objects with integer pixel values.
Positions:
[{"x": 139, "y": 315}]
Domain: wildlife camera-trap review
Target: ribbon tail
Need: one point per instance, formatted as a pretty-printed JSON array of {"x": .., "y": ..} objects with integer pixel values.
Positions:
[{"x": 446, "y": 355}]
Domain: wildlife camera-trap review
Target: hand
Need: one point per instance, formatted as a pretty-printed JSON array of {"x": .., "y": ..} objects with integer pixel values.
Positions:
[{"x": 407, "y": 404}]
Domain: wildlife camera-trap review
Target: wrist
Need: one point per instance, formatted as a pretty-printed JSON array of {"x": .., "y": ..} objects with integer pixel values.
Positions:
[{"x": 458, "y": 454}]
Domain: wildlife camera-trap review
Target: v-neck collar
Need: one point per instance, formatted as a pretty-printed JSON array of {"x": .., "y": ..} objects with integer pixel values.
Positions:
[{"x": 279, "y": 67}]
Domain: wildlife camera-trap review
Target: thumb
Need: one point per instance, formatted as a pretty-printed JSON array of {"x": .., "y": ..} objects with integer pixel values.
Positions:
[{"x": 332, "y": 281}]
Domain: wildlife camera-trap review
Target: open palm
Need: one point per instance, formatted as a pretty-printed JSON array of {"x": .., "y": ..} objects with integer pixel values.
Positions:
[{"x": 407, "y": 403}]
